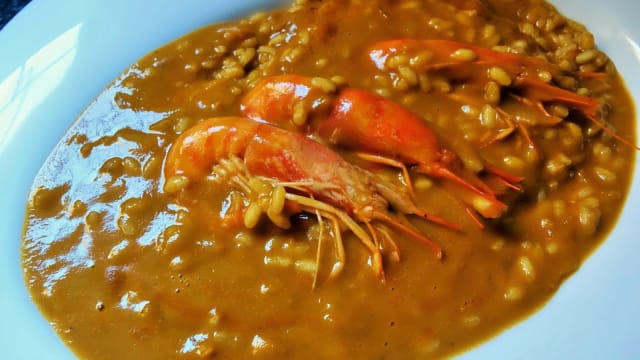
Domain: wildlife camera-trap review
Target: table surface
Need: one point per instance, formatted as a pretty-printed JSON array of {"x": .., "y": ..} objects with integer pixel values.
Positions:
[{"x": 9, "y": 8}]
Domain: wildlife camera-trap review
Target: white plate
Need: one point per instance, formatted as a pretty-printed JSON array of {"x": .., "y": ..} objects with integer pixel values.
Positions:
[{"x": 51, "y": 67}]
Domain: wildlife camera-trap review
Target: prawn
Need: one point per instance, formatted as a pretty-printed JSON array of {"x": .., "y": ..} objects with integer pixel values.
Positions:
[
  {"x": 465, "y": 59},
  {"x": 300, "y": 171},
  {"x": 519, "y": 75},
  {"x": 371, "y": 123},
  {"x": 379, "y": 129}
]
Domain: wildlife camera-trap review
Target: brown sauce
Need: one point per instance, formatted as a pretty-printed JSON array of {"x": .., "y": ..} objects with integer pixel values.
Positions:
[{"x": 124, "y": 269}]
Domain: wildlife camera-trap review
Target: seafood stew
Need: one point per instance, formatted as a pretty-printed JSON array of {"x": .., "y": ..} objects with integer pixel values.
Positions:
[{"x": 162, "y": 260}]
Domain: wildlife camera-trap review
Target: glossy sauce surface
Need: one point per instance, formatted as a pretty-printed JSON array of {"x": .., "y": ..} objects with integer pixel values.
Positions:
[{"x": 123, "y": 269}]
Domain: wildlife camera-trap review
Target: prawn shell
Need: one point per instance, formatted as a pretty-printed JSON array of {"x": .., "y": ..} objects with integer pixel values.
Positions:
[
  {"x": 441, "y": 51},
  {"x": 391, "y": 129},
  {"x": 198, "y": 149},
  {"x": 292, "y": 157},
  {"x": 272, "y": 100}
]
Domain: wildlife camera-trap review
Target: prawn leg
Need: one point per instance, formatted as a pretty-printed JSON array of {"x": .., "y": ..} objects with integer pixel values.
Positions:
[
  {"x": 435, "y": 248},
  {"x": 543, "y": 92},
  {"x": 395, "y": 250},
  {"x": 359, "y": 232},
  {"x": 318, "y": 249},
  {"x": 393, "y": 163},
  {"x": 338, "y": 265},
  {"x": 338, "y": 246}
]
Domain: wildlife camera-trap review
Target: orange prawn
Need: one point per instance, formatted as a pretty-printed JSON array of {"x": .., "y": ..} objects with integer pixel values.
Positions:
[
  {"x": 306, "y": 173},
  {"x": 465, "y": 58},
  {"x": 371, "y": 123},
  {"x": 379, "y": 129},
  {"x": 519, "y": 74}
]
